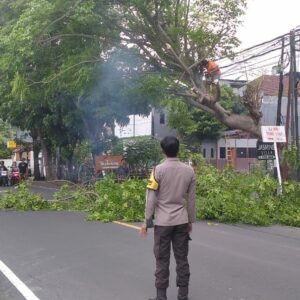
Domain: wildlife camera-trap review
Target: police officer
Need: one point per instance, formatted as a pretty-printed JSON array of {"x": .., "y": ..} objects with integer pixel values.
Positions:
[{"x": 171, "y": 198}]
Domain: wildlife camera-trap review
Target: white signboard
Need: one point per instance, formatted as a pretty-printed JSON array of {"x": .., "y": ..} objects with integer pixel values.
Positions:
[{"x": 273, "y": 134}]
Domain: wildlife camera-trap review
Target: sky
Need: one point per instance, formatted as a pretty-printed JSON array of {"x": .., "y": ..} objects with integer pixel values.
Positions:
[
  {"x": 264, "y": 20},
  {"x": 267, "y": 19}
]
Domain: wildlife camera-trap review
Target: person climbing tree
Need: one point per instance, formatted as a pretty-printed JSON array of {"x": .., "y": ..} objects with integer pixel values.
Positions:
[{"x": 211, "y": 70}]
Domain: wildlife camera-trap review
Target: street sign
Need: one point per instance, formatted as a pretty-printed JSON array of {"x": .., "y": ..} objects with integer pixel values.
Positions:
[
  {"x": 11, "y": 144},
  {"x": 108, "y": 162},
  {"x": 265, "y": 151},
  {"x": 273, "y": 134}
]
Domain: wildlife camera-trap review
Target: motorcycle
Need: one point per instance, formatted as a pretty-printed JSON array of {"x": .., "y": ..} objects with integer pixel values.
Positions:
[
  {"x": 15, "y": 177},
  {"x": 4, "y": 178}
]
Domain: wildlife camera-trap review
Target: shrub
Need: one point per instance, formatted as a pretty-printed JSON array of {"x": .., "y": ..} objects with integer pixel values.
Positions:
[
  {"x": 22, "y": 199},
  {"x": 230, "y": 197},
  {"x": 119, "y": 201},
  {"x": 222, "y": 195}
]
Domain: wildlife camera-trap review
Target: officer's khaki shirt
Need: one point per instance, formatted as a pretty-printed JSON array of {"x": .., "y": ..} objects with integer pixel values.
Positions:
[{"x": 173, "y": 203}]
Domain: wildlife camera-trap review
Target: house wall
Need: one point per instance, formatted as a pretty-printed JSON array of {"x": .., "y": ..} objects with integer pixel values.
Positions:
[
  {"x": 269, "y": 111},
  {"x": 237, "y": 143},
  {"x": 160, "y": 126},
  {"x": 146, "y": 126},
  {"x": 209, "y": 147},
  {"x": 137, "y": 126},
  {"x": 239, "y": 163}
]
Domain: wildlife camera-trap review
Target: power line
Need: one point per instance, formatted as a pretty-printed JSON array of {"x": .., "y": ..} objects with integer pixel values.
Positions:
[
  {"x": 255, "y": 63},
  {"x": 259, "y": 67},
  {"x": 257, "y": 51},
  {"x": 261, "y": 44},
  {"x": 238, "y": 66},
  {"x": 251, "y": 57}
]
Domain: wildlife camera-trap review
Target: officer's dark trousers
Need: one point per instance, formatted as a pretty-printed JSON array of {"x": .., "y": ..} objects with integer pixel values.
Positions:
[{"x": 178, "y": 236}]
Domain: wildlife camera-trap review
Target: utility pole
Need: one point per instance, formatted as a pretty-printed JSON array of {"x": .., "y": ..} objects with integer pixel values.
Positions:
[
  {"x": 293, "y": 95},
  {"x": 292, "y": 84},
  {"x": 297, "y": 129},
  {"x": 280, "y": 91},
  {"x": 288, "y": 117}
]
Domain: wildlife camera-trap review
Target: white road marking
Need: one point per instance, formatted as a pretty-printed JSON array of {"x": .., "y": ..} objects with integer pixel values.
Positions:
[{"x": 20, "y": 286}]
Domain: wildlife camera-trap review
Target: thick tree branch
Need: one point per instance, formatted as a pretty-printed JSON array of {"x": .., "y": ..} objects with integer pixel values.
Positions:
[
  {"x": 60, "y": 36},
  {"x": 191, "y": 99}
]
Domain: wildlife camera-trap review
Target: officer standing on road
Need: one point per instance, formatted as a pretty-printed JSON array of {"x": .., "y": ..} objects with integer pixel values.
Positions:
[{"x": 171, "y": 198}]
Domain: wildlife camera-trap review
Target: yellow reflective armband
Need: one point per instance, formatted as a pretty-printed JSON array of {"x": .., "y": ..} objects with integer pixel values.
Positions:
[{"x": 152, "y": 183}]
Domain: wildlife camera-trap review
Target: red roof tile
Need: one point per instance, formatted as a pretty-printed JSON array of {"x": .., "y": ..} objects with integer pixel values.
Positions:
[{"x": 270, "y": 85}]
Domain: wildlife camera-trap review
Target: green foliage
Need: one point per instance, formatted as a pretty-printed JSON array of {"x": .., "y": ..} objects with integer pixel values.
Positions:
[
  {"x": 57, "y": 83},
  {"x": 4, "y": 152},
  {"x": 69, "y": 75},
  {"x": 223, "y": 196},
  {"x": 119, "y": 201},
  {"x": 106, "y": 200},
  {"x": 75, "y": 198},
  {"x": 23, "y": 200},
  {"x": 187, "y": 155},
  {"x": 290, "y": 157},
  {"x": 245, "y": 198},
  {"x": 288, "y": 205},
  {"x": 194, "y": 125},
  {"x": 140, "y": 153}
]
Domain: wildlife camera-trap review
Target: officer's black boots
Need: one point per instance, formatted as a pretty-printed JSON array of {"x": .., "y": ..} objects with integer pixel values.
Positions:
[
  {"x": 161, "y": 294},
  {"x": 183, "y": 292}
]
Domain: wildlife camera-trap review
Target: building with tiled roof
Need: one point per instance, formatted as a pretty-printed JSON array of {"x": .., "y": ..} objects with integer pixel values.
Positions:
[
  {"x": 242, "y": 145},
  {"x": 269, "y": 92},
  {"x": 270, "y": 85}
]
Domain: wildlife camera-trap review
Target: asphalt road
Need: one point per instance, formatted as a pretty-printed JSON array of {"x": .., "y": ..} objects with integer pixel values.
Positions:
[
  {"x": 45, "y": 189},
  {"x": 60, "y": 256}
]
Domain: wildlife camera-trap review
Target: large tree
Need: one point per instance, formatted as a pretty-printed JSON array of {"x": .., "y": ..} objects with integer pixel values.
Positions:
[
  {"x": 174, "y": 36},
  {"x": 59, "y": 81},
  {"x": 56, "y": 73}
]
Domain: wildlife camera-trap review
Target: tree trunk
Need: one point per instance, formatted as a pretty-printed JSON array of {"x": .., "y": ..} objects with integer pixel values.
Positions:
[
  {"x": 36, "y": 151},
  {"x": 48, "y": 163},
  {"x": 241, "y": 122},
  {"x": 234, "y": 121},
  {"x": 58, "y": 164}
]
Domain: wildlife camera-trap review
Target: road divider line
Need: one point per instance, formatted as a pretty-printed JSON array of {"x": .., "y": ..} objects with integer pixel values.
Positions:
[
  {"x": 18, "y": 284},
  {"x": 127, "y": 225}
]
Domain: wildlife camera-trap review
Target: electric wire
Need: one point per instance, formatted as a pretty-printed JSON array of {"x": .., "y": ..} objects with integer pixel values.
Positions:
[
  {"x": 279, "y": 38},
  {"x": 255, "y": 63},
  {"x": 240, "y": 63},
  {"x": 250, "y": 70}
]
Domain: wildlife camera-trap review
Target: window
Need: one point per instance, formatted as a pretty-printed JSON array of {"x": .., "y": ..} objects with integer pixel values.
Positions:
[
  {"x": 162, "y": 118},
  {"x": 241, "y": 152},
  {"x": 222, "y": 152},
  {"x": 212, "y": 153},
  {"x": 204, "y": 152},
  {"x": 252, "y": 152}
]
